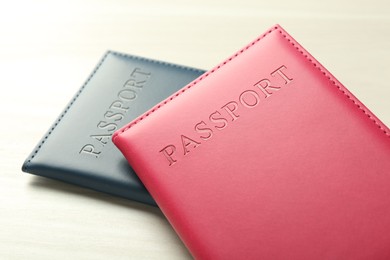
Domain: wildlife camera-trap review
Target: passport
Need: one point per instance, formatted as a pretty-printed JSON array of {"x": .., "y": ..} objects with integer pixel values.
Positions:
[
  {"x": 78, "y": 148},
  {"x": 267, "y": 156}
]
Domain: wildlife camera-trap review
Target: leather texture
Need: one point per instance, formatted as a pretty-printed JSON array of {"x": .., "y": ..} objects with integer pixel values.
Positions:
[
  {"x": 78, "y": 147},
  {"x": 267, "y": 156}
]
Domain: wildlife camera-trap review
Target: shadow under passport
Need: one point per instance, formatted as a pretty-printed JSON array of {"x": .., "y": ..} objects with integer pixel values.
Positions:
[{"x": 64, "y": 187}]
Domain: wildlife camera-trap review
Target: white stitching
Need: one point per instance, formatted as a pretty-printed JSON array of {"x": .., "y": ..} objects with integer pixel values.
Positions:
[{"x": 25, "y": 167}]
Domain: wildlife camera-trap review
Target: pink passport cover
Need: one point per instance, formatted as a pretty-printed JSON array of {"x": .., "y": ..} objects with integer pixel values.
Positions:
[{"x": 267, "y": 156}]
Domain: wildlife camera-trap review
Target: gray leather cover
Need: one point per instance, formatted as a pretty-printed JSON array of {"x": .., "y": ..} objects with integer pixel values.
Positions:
[{"x": 78, "y": 149}]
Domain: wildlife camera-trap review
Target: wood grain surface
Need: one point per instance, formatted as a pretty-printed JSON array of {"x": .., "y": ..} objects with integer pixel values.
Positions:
[{"x": 48, "y": 49}]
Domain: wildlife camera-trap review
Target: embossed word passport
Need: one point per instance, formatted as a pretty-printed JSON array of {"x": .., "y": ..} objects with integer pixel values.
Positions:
[
  {"x": 78, "y": 147},
  {"x": 267, "y": 156}
]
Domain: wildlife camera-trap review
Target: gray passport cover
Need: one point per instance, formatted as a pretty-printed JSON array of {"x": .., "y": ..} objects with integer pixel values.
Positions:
[{"x": 78, "y": 148}]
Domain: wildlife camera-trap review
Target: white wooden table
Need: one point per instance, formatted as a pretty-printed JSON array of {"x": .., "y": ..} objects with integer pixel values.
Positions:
[{"x": 48, "y": 49}]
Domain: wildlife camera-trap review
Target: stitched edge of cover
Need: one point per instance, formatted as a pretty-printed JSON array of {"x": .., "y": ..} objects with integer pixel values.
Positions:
[
  {"x": 333, "y": 81},
  {"x": 296, "y": 46},
  {"x": 133, "y": 57},
  {"x": 193, "y": 83}
]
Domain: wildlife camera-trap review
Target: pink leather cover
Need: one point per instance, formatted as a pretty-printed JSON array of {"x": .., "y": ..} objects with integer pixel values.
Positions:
[{"x": 267, "y": 156}]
